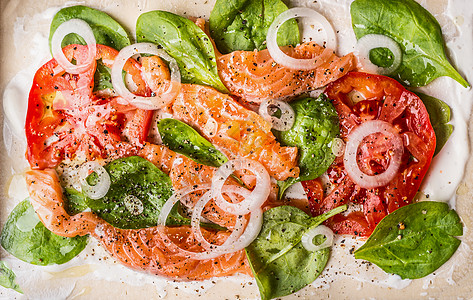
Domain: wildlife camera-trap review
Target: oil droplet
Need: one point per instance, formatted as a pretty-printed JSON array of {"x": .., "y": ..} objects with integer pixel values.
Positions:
[{"x": 133, "y": 205}]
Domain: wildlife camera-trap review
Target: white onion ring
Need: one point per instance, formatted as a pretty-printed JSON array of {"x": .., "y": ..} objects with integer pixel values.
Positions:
[
  {"x": 103, "y": 183},
  {"x": 163, "y": 215},
  {"x": 182, "y": 193},
  {"x": 251, "y": 232},
  {"x": 351, "y": 149},
  {"x": 293, "y": 63},
  {"x": 166, "y": 209},
  {"x": 195, "y": 223},
  {"x": 287, "y": 118},
  {"x": 147, "y": 103},
  {"x": 308, "y": 237},
  {"x": 236, "y": 241},
  {"x": 168, "y": 205},
  {"x": 81, "y": 28},
  {"x": 373, "y": 41},
  {"x": 230, "y": 245},
  {"x": 256, "y": 198}
]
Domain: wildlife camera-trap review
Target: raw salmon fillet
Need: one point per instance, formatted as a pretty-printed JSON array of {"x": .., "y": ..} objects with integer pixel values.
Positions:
[
  {"x": 255, "y": 76},
  {"x": 235, "y": 130}
]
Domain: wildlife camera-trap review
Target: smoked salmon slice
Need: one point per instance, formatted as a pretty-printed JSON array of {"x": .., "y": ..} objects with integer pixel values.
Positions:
[
  {"x": 255, "y": 76},
  {"x": 140, "y": 249},
  {"x": 233, "y": 129},
  {"x": 160, "y": 156}
]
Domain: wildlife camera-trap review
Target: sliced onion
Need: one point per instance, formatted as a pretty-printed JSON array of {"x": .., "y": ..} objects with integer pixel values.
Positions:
[
  {"x": 166, "y": 209},
  {"x": 195, "y": 223},
  {"x": 103, "y": 182},
  {"x": 251, "y": 232},
  {"x": 251, "y": 203},
  {"x": 161, "y": 230},
  {"x": 81, "y": 28},
  {"x": 177, "y": 196},
  {"x": 308, "y": 237},
  {"x": 293, "y": 63},
  {"x": 287, "y": 118},
  {"x": 338, "y": 147},
  {"x": 147, "y": 103},
  {"x": 255, "y": 199},
  {"x": 356, "y": 137},
  {"x": 236, "y": 241},
  {"x": 373, "y": 41},
  {"x": 230, "y": 190}
]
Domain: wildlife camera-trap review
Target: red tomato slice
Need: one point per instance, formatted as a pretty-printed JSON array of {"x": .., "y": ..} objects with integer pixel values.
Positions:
[
  {"x": 65, "y": 116},
  {"x": 387, "y": 100},
  {"x": 315, "y": 194}
]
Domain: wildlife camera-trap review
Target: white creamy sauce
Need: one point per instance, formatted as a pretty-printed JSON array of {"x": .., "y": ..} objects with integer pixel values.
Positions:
[{"x": 94, "y": 263}]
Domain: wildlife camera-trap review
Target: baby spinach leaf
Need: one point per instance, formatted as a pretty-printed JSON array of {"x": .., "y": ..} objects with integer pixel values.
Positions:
[
  {"x": 102, "y": 77},
  {"x": 7, "y": 278},
  {"x": 75, "y": 201},
  {"x": 106, "y": 30},
  {"x": 243, "y": 24},
  {"x": 414, "y": 240},
  {"x": 439, "y": 114},
  {"x": 183, "y": 139},
  {"x": 315, "y": 126},
  {"x": 137, "y": 181},
  {"x": 185, "y": 42},
  {"x": 26, "y": 238},
  {"x": 280, "y": 263},
  {"x": 287, "y": 275},
  {"x": 415, "y": 30}
]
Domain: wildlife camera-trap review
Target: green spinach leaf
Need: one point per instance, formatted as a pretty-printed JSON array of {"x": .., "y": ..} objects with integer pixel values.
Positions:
[
  {"x": 26, "y": 238},
  {"x": 414, "y": 240},
  {"x": 280, "y": 263},
  {"x": 439, "y": 114},
  {"x": 183, "y": 139},
  {"x": 7, "y": 278},
  {"x": 106, "y": 30},
  {"x": 315, "y": 126},
  {"x": 185, "y": 42},
  {"x": 75, "y": 201},
  {"x": 138, "y": 191},
  {"x": 415, "y": 30},
  {"x": 102, "y": 77},
  {"x": 243, "y": 24}
]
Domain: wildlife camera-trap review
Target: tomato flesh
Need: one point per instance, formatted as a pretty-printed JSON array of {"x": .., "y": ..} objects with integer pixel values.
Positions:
[
  {"x": 384, "y": 99},
  {"x": 65, "y": 116}
]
